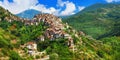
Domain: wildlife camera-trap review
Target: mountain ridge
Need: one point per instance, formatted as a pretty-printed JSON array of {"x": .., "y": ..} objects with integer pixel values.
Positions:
[
  {"x": 29, "y": 14},
  {"x": 101, "y": 5},
  {"x": 101, "y": 20}
]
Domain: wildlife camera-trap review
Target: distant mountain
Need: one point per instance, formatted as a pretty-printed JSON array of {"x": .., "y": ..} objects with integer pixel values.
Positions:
[
  {"x": 98, "y": 6},
  {"x": 95, "y": 20},
  {"x": 28, "y": 13}
]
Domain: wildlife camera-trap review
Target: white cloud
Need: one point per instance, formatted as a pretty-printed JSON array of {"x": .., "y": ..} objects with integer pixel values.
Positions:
[
  {"x": 81, "y": 8},
  {"x": 18, "y": 6},
  {"x": 109, "y": 1},
  {"x": 43, "y": 9},
  {"x": 61, "y": 3},
  {"x": 70, "y": 8}
]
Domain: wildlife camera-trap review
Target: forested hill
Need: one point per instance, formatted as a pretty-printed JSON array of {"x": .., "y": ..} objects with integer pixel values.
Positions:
[
  {"x": 98, "y": 6},
  {"x": 102, "y": 21},
  {"x": 53, "y": 38},
  {"x": 96, "y": 20},
  {"x": 47, "y": 37}
]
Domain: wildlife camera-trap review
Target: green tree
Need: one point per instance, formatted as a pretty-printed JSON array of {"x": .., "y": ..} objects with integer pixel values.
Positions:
[{"x": 14, "y": 56}]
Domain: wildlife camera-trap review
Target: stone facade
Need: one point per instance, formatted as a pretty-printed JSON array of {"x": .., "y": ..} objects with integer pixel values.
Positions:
[{"x": 32, "y": 47}]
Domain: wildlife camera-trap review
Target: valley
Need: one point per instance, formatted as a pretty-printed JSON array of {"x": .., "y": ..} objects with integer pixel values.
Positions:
[{"x": 93, "y": 34}]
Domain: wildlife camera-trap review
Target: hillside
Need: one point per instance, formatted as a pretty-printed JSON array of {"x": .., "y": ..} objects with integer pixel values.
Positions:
[
  {"x": 98, "y": 6},
  {"x": 30, "y": 13},
  {"x": 115, "y": 31},
  {"x": 95, "y": 20},
  {"x": 47, "y": 37},
  {"x": 112, "y": 38},
  {"x": 3, "y": 13}
]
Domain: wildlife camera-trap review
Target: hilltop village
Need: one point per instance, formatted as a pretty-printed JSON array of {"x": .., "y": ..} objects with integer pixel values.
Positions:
[{"x": 55, "y": 29}]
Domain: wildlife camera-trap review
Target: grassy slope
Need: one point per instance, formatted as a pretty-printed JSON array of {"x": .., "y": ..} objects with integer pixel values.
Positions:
[
  {"x": 114, "y": 42},
  {"x": 95, "y": 22},
  {"x": 6, "y": 37}
]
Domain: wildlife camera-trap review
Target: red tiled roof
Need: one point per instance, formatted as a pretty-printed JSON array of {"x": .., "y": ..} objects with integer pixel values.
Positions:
[{"x": 30, "y": 43}]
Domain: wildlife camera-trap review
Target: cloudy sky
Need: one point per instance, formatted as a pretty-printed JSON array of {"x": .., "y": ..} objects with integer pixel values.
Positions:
[{"x": 56, "y": 7}]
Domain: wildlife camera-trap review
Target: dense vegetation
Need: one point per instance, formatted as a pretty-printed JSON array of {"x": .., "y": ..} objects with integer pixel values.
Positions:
[
  {"x": 114, "y": 42},
  {"x": 57, "y": 49},
  {"x": 115, "y": 31},
  {"x": 95, "y": 20},
  {"x": 87, "y": 48},
  {"x": 102, "y": 21}
]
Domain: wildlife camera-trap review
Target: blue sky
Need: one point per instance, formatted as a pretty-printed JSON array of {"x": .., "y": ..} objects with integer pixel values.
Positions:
[{"x": 56, "y": 7}]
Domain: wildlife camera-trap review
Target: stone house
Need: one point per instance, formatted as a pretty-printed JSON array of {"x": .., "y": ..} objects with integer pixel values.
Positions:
[
  {"x": 70, "y": 42},
  {"x": 27, "y": 22},
  {"x": 32, "y": 47},
  {"x": 66, "y": 35},
  {"x": 41, "y": 38}
]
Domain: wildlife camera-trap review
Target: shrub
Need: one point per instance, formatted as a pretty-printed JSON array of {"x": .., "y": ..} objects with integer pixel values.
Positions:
[
  {"x": 54, "y": 56},
  {"x": 14, "y": 56}
]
